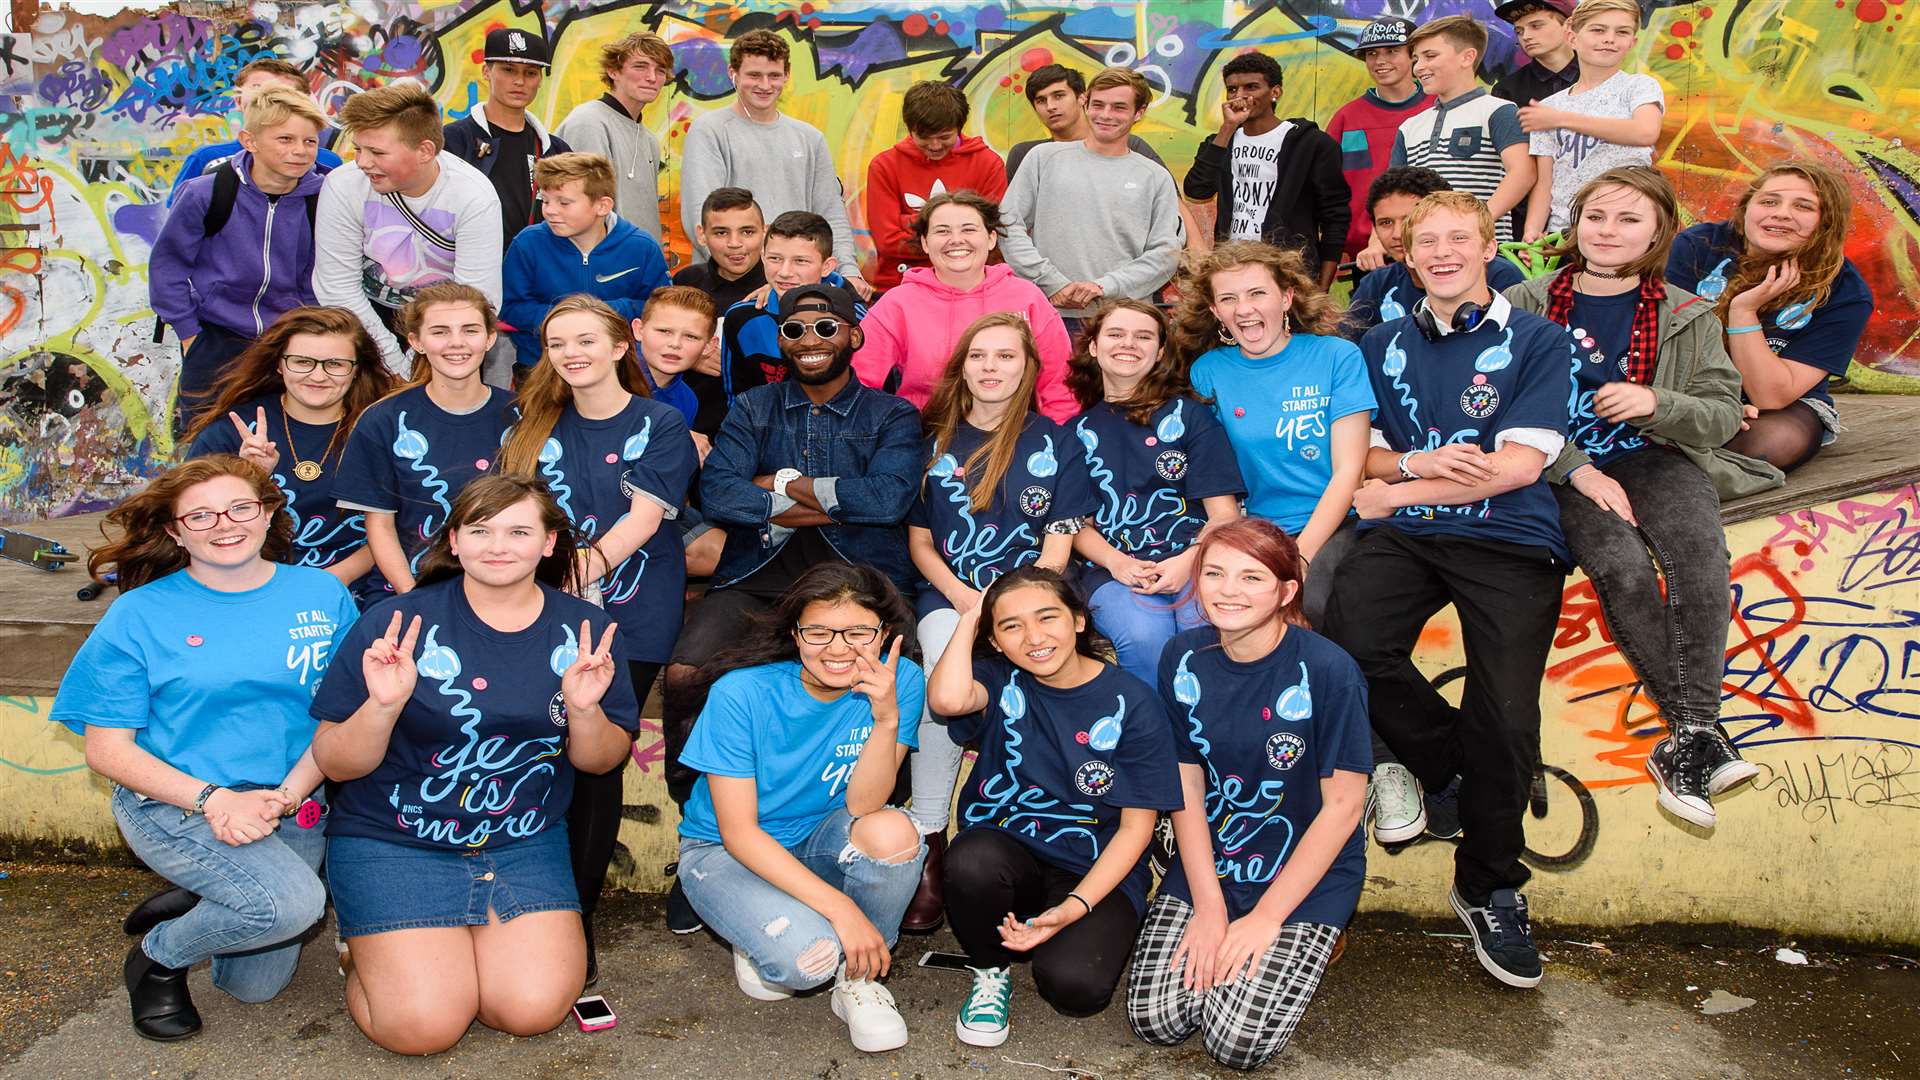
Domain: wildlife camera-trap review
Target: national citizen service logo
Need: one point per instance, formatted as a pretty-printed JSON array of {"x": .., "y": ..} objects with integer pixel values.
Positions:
[
  {"x": 1284, "y": 749},
  {"x": 1035, "y": 500},
  {"x": 1171, "y": 464},
  {"x": 1093, "y": 778}
]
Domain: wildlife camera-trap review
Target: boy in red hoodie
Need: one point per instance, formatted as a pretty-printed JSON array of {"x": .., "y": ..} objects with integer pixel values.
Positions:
[{"x": 934, "y": 158}]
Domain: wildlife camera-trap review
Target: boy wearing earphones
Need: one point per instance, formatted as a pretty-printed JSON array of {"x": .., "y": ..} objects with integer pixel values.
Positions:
[{"x": 1473, "y": 405}]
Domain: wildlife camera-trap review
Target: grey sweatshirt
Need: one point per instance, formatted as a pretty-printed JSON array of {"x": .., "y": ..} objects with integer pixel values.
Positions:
[
  {"x": 786, "y": 164},
  {"x": 598, "y": 127},
  {"x": 1074, "y": 215}
]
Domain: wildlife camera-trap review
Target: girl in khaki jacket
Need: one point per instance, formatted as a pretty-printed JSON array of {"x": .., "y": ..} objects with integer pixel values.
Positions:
[{"x": 1643, "y": 473}]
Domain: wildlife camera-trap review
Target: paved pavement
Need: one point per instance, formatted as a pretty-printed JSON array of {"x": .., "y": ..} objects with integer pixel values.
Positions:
[{"x": 1406, "y": 1001}]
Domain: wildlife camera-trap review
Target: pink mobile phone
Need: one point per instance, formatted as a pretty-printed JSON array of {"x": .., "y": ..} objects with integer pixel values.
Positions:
[{"x": 594, "y": 1014}]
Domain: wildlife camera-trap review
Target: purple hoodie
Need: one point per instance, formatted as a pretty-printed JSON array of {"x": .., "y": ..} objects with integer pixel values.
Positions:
[
  {"x": 914, "y": 326},
  {"x": 257, "y": 268}
]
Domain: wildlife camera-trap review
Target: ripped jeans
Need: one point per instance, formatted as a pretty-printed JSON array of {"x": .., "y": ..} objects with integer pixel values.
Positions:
[{"x": 779, "y": 933}]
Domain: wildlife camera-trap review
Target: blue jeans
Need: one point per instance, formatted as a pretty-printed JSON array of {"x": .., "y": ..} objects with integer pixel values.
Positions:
[
  {"x": 1140, "y": 626},
  {"x": 255, "y": 899},
  {"x": 773, "y": 928}
]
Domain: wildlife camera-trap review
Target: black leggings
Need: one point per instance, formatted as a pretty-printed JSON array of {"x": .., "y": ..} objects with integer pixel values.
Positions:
[
  {"x": 1785, "y": 438},
  {"x": 989, "y": 874},
  {"x": 593, "y": 821}
]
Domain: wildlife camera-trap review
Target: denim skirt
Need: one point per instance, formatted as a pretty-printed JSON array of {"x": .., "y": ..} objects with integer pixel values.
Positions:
[{"x": 379, "y": 885}]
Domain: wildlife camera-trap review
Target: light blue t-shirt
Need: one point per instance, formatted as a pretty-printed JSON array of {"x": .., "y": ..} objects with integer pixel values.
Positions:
[
  {"x": 760, "y": 722},
  {"x": 1279, "y": 413},
  {"x": 217, "y": 684}
]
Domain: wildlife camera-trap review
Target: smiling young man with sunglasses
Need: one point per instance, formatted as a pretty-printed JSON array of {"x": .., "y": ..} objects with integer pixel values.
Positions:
[{"x": 815, "y": 469}]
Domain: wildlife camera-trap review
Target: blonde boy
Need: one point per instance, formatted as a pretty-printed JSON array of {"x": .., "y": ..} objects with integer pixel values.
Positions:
[
  {"x": 1606, "y": 119},
  {"x": 580, "y": 246}
]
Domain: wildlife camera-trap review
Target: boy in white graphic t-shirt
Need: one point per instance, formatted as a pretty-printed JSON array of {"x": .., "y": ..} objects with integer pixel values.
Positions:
[
  {"x": 1607, "y": 118},
  {"x": 1277, "y": 180}
]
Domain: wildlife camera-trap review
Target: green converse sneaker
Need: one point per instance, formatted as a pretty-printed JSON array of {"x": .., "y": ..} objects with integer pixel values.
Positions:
[{"x": 983, "y": 1017}]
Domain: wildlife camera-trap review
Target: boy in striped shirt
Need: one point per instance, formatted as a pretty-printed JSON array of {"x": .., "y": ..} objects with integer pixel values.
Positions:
[{"x": 1469, "y": 137}]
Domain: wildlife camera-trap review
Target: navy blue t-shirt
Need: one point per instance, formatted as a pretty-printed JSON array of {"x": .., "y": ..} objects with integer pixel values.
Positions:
[
  {"x": 594, "y": 468},
  {"x": 1046, "y": 483},
  {"x": 323, "y": 531},
  {"x": 1602, "y": 330},
  {"x": 479, "y": 754},
  {"x": 1468, "y": 388},
  {"x": 410, "y": 458},
  {"x": 1148, "y": 482},
  {"x": 1266, "y": 733},
  {"x": 1057, "y": 766},
  {"x": 1390, "y": 292},
  {"x": 1706, "y": 256}
]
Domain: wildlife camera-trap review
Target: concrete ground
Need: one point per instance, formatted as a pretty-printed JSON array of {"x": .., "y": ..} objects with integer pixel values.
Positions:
[{"x": 1406, "y": 1001}]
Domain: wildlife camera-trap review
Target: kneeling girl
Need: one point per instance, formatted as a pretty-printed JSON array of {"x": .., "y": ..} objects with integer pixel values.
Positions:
[
  {"x": 1076, "y": 760},
  {"x": 787, "y": 846},
  {"x": 448, "y": 849},
  {"x": 1272, "y": 732}
]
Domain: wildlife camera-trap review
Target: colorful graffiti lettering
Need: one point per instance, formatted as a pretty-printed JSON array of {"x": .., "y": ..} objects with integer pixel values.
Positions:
[{"x": 108, "y": 106}]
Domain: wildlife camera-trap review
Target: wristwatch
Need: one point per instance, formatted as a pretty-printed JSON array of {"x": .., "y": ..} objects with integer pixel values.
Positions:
[
  {"x": 782, "y": 478},
  {"x": 1406, "y": 472}
]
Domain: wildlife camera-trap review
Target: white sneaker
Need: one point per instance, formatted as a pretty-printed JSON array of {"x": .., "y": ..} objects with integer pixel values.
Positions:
[
  {"x": 1399, "y": 810},
  {"x": 867, "y": 1007},
  {"x": 751, "y": 984}
]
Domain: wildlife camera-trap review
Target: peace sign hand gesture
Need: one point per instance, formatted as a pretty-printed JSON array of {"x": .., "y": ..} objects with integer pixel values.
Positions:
[
  {"x": 586, "y": 681},
  {"x": 254, "y": 444},
  {"x": 387, "y": 666},
  {"x": 875, "y": 677}
]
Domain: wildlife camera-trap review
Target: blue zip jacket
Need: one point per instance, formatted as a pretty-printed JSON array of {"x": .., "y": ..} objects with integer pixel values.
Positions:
[
  {"x": 256, "y": 269},
  {"x": 623, "y": 269},
  {"x": 863, "y": 450}
]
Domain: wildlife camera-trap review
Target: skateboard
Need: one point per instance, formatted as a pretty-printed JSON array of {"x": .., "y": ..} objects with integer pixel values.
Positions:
[{"x": 35, "y": 551}]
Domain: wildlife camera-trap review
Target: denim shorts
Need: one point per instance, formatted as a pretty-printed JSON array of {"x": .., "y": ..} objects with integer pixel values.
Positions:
[{"x": 379, "y": 885}]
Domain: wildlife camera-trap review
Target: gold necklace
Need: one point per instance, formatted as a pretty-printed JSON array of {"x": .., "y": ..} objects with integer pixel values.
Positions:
[{"x": 306, "y": 470}]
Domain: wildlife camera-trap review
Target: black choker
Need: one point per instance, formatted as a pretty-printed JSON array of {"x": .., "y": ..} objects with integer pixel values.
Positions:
[{"x": 1604, "y": 276}]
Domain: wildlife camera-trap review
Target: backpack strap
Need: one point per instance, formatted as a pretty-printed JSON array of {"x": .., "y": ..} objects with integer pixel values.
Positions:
[
  {"x": 426, "y": 231},
  {"x": 226, "y": 188}
]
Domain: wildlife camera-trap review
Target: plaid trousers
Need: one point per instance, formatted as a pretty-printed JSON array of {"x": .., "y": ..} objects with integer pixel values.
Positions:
[{"x": 1242, "y": 1024}]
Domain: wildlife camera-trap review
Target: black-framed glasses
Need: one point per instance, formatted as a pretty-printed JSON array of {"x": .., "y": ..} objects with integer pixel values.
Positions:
[
  {"x": 202, "y": 520},
  {"x": 855, "y": 636},
  {"x": 303, "y": 365},
  {"x": 795, "y": 329}
]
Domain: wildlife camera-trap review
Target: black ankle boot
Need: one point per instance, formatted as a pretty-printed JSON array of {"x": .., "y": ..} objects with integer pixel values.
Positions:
[
  {"x": 169, "y": 903},
  {"x": 162, "y": 1009},
  {"x": 593, "y": 960}
]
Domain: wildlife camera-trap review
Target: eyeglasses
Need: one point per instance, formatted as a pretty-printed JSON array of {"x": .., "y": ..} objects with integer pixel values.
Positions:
[
  {"x": 202, "y": 520},
  {"x": 795, "y": 329},
  {"x": 855, "y": 636},
  {"x": 302, "y": 365}
]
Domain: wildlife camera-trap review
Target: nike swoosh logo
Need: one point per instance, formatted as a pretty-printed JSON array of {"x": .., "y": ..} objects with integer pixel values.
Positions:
[{"x": 604, "y": 278}]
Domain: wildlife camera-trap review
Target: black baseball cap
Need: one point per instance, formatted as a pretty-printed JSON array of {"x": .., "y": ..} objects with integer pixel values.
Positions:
[
  {"x": 1515, "y": 10},
  {"x": 1384, "y": 31},
  {"x": 510, "y": 46},
  {"x": 839, "y": 301}
]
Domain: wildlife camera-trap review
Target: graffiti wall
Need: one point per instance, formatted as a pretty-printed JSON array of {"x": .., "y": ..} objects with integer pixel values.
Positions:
[
  {"x": 1822, "y": 691},
  {"x": 97, "y": 112}
]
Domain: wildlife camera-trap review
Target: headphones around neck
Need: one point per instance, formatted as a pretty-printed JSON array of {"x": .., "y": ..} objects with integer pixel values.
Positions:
[{"x": 1465, "y": 318}]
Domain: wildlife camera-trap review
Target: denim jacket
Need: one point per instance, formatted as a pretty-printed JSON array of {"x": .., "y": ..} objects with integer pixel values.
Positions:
[{"x": 862, "y": 449}]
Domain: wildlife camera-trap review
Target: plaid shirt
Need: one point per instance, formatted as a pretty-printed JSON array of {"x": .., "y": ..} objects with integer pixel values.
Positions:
[{"x": 1643, "y": 348}]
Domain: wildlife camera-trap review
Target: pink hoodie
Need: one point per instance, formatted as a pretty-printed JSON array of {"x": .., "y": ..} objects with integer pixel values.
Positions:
[{"x": 914, "y": 327}]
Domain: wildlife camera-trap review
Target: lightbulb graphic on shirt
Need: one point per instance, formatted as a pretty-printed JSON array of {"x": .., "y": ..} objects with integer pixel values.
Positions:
[
  {"x": 1041, "y": 463},
  {"x": 1296, "y": 701},
  {"x": 1105, "y": 732},
  {"x": 1171, "y": 426}
]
